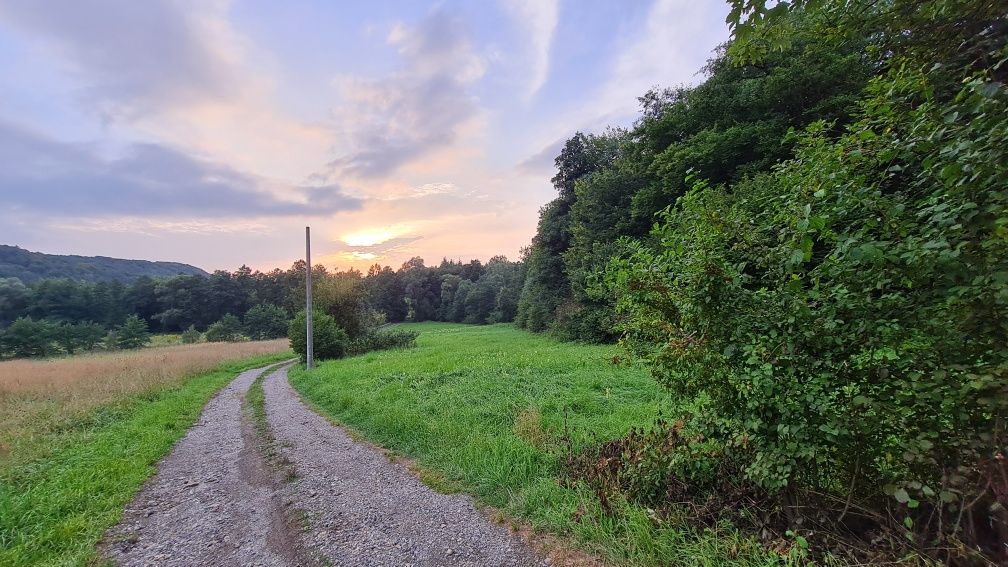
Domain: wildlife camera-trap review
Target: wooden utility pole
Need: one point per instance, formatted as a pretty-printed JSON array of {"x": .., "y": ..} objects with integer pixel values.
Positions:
[{"x": 308, "y": 300}]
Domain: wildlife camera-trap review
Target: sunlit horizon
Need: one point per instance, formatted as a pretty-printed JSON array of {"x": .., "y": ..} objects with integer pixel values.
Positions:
[{"x": 212, "y": 133}]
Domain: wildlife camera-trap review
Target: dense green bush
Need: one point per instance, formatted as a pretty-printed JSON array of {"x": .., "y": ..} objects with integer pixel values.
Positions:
[
  {"x": 80, "y": 336},
  {"x": 841, "y": 320},
  {"x": 191, "y": 335},
  {"x": 228, "y": 329},
  {"x": 266, "y": 321},
  {"x": 329, "y": 339},
  {"x": 383, "y": 340},
  {"x": 26, "y": 337},
  {"x": 133, "y": 333}
]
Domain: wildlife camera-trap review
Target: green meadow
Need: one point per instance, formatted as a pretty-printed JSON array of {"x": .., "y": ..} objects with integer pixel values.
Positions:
[{"x": 493, "y": 411}]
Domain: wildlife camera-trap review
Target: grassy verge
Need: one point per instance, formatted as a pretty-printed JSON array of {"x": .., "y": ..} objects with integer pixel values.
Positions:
[
  {"x": 255, "y": 405},
  {"x": 487, "y": 408},
  {"x": 54, "y": 508}
]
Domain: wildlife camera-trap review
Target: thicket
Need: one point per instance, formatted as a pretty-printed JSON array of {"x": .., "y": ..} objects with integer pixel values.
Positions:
[
  {"x": 611, "y": 185},
  {"x": 344, "y": 322},
  {"x": 836, "y": 322},
  {"x": 329, "y": 340},
  {"x": 227, "y": 330},
  {"x": 383, "y": 340}
]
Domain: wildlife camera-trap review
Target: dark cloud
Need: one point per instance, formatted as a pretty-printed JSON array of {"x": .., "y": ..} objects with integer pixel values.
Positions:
[
  {"x": 543, "y": 161},
  {"x": 396, "y": 119},
  {"x": 60, "y": 179},
  {"x": 130, "y": 55}
]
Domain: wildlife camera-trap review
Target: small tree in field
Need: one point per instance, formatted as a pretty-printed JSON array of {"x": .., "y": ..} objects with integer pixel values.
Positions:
[
  {"x": 133, "y": 333},
  {"x": 330, "y": 340},
  {"x": 228, "y": 329}
]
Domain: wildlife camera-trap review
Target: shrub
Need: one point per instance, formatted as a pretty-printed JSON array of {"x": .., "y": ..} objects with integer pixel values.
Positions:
[
  {"x": 191, "y": 335},
  {"x": 329, "y": 339},
  {"x": 26, "y": 337},
  {"x": 111, "y": 340},
  {"x": 82, "y": 336},
  {"x": 266, "y": 321},
  {"x": 383, "y": 340},
  {"x": 227, "y": 330},
  {"x": 133, "y": 333},
  {"x": 843, "y": 318}
]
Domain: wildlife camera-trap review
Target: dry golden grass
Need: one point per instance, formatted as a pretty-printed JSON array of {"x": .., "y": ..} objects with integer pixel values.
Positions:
[{"x": 39, "y": 396}]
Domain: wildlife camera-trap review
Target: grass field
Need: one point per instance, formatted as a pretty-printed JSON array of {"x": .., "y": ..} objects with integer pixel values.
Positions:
[
  {"x": 81, "y": 434},
  {"x": 482, "y": 409}
]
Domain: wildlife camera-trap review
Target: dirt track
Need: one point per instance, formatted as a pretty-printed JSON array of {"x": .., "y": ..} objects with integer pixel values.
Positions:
[{"x": 218, "y": 500}]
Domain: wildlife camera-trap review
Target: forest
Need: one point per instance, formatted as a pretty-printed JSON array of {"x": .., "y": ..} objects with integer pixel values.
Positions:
[{"x": 30, "y": 267}]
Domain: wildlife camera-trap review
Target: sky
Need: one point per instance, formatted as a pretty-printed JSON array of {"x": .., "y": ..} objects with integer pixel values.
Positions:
[{"x": 212, "y": 132}]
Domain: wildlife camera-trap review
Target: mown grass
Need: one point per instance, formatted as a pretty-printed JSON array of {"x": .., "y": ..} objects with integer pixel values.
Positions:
[
  {"x": 485, "y": 408},
  {"x": 54, "y": 507}
]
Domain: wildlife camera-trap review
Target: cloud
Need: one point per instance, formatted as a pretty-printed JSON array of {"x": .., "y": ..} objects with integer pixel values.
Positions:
[
  {"x": 543, "y": 161},
  {"x": 375, "y": 251},
  {"x": 61, "y": 179},
  {"x": 134, "y": 56},
  {"x": 678, "y": 34},
  {"x": 420, "y": 108},
  {"x": 539, "y": 20},
  {"x": 382, "y": 247}
]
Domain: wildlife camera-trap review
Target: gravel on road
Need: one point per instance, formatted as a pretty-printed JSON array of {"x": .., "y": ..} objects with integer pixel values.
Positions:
[
  {"x": 366, "y": 510},
  {"x": 214, "y": 500},
  {"x": 217, "y": 499}
]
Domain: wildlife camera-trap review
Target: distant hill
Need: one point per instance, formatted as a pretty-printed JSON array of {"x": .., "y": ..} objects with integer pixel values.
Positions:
[{"x": 16, "y": 262}]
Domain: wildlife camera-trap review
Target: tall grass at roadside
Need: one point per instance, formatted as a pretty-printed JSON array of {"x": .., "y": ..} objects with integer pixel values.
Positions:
[
  {"x": 495, "y": 410},
  {"x": 40, "y": 397},
  {"x": 63, "y": 486}
]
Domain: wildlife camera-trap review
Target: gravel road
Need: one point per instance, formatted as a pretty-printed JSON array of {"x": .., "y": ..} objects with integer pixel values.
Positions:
[
  {"x": 214, "y": 500},
  {"x": 217, "y": 500},
  {"x": 366, "y": 510}
]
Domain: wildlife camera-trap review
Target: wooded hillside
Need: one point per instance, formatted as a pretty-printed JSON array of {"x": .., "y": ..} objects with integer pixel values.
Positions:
[{"x": 27, "y": 266}]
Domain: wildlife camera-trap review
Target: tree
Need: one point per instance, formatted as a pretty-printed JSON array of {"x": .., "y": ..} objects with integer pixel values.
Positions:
[
  {"x": 133, "y": 333},
  {"x": 228, "y": 329},
  {"x": 330, "y": 341},
  {"x": 80, "y": 336},
  {"x": 266, "y": 321},
  {"x": 386, "y": 292},
  {"x": 28, "y": 338},
  {"x": 14, "y": 297}
]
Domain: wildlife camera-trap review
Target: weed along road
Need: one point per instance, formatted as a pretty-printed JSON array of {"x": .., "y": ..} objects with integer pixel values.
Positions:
[{"x": 263, "y": 480}]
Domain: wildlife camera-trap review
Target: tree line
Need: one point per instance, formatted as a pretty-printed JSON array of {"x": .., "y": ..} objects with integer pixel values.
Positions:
[{"x": 68, "y": 315}]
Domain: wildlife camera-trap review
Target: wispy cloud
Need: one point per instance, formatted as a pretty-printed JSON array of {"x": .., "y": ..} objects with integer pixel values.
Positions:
[
  {"x": 398, "y": 118},
  {"x": 543, "y": 161},
  {"x": 61, "y": 179},
  {"x": 538, "y": 18},
  {"x": 669, "y": 50},
  {"x": 134, "y": 56}
]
